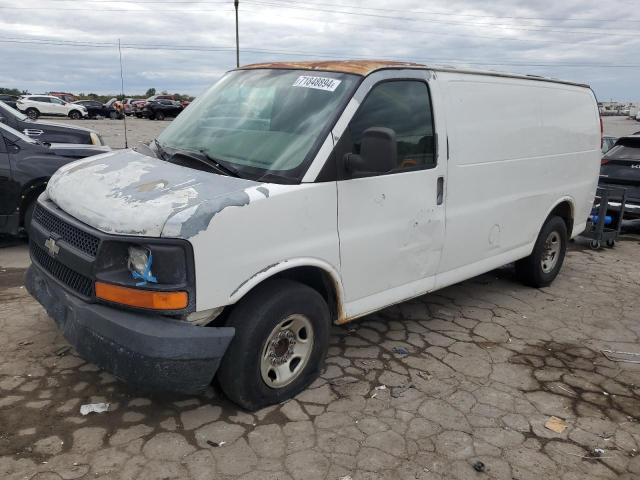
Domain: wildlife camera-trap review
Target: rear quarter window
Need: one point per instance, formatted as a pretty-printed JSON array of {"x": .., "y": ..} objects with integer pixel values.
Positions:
[{"x": 630, "y": 151}]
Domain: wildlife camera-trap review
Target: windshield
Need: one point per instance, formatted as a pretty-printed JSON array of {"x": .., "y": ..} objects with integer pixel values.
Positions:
[
  {"x": 262, "y": 121},
  {"x": 6, "y": 109}
]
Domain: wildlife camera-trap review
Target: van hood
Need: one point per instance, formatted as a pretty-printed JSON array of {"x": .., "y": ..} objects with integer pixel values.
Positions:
[{"x": 128, "y": 193}]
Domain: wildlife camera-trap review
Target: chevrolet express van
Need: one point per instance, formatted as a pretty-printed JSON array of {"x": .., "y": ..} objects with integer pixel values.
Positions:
[{"x": 293, "y": 195}]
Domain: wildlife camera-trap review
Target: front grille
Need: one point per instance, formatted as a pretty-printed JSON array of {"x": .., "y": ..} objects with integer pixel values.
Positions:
[
  {"x": 72, "y": 235},
  {"x": 61, "y": 272}
]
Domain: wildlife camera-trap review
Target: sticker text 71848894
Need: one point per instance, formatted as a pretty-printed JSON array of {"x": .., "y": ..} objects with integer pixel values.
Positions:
[{"x": 320, "y": 83}]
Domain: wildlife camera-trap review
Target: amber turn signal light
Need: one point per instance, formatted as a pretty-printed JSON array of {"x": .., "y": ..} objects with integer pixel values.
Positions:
[{"x": 134, "y": 297}]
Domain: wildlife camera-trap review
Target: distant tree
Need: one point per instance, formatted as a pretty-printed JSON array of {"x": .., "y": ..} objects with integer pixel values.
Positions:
[
  {"x": 164, "y": 92},
  {"x": 93, "y": 95},
  {"x": 151, "y": 92},
  {"x": 10, "y": 91}
]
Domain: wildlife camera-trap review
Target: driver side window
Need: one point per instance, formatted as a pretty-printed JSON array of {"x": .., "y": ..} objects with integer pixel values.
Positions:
[{"x": 403, "y": 106}]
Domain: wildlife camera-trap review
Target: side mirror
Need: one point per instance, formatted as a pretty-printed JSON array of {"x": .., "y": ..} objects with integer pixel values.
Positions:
[{"x": 378, "y": 153}]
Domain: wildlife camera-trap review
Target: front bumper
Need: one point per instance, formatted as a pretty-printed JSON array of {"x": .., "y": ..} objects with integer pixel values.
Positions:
[
  {"x": 149, "y": 351},
  {"x": 631, "y": 210}
]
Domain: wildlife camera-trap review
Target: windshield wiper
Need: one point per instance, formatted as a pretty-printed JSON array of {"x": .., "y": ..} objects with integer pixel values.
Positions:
[
  {"x": 275, "y": 176},
  {"x": 159, "y": 148},
  {"x": 230, "y": 171},
  {"x": 203, "y": 158}
]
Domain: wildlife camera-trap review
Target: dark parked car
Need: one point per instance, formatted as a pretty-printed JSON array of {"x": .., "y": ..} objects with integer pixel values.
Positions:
[
  {"x": 160, "y": 109},
  {"x": 25, "y": 167},
  {"x": 99, "y": 109},
  {"x": 9, "y": 100},
  {"x": 621, "y": 168},
  {"x": 47, "y": 132}
]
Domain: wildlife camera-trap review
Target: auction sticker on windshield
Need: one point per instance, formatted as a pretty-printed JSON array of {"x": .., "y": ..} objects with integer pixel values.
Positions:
[{"x": 320, "y": 83}]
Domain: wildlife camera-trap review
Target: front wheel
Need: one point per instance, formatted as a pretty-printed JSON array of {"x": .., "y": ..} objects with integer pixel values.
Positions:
[
  {"x": 32, "y": 113},
  {"x": 543, "y": 265},
  {"x": 281, "y": 341},
  {"x": 74, "y": 115},
  {"x": 28, "y": 215}
]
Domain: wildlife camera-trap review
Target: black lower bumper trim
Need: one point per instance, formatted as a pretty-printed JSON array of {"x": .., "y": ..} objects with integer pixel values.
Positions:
[{"x": 148, "y": 351}]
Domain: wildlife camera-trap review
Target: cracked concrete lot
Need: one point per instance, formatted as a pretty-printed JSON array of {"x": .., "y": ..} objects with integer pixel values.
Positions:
[{"x": 470, "y": 374}]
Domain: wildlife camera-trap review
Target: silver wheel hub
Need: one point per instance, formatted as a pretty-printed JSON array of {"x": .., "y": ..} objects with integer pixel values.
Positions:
[
  {"x": 286, "y": 351},
  {"x": 551, "y": 252}
]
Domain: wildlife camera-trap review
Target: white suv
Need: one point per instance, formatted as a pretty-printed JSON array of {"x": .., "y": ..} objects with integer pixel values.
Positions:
[{"x": 36, "y": 105}]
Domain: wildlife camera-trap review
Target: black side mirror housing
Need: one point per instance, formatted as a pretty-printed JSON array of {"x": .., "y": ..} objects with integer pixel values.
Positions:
[{"x": 378, "y": 153}]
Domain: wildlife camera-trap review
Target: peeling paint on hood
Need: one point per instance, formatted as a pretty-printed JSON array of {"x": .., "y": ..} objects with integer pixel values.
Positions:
[{"x": 128, "y": 193}]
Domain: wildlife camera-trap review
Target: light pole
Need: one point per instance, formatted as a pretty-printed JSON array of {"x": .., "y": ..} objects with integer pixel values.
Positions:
[{"x": 235, "y": 3}]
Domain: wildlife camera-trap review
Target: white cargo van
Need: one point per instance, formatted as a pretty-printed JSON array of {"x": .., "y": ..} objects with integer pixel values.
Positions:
[{"x": 290, "y": 196}]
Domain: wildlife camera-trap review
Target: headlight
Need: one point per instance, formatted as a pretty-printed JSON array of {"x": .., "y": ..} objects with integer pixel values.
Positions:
[
  {"x": 95, "y": 138},
  {"x": 153, "y": 274},
  {"x": 139, "y": 264}
]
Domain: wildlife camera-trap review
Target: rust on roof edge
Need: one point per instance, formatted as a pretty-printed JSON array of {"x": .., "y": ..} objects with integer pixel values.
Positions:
[{"x": 366, "y": 67}]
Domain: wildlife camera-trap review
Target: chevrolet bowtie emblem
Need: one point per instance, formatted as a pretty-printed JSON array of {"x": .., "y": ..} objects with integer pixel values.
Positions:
[{"x": 52, "y": 247}]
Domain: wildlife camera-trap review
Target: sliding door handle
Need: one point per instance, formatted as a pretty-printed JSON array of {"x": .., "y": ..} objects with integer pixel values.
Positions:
[{"x": 440, "y": 191}]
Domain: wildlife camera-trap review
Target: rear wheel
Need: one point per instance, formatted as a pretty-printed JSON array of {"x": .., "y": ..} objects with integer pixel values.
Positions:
[
  {"x": 159, "y": 116},
  {"x": 32, "y": 113},
  {"x": 543, "y": 265},
  {"x": 281, "y": 340}
]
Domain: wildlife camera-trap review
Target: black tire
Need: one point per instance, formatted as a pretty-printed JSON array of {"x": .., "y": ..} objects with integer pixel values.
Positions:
[
  {"x": 611, "y": 243},
  {"x": 160, "y": 116},
  {"x": 530, "y": 269},
  {"x": 28, "y": 215},
  {"x": 75, "y": 115},
  {"x": 32, "y": 113},
  {"x": 254, "y": 318},
  {"x": 595, "y": 245},
  {"x": 113, "y": 115}
]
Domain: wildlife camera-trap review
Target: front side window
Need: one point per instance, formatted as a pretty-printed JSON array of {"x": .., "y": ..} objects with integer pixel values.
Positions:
[
  {"x": 263, "y": 121},
  {"x": 403, "y": 106}
]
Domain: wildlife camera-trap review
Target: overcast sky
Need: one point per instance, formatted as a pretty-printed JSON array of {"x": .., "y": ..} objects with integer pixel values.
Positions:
[{"x": 185, "y": 45}]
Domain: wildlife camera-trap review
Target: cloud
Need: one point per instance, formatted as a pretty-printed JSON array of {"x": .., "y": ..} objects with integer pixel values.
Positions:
[{"x": 183, "y": 45}]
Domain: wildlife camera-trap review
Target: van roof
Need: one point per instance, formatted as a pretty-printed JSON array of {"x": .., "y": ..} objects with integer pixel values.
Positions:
[{"x": 366, "y": 67}]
